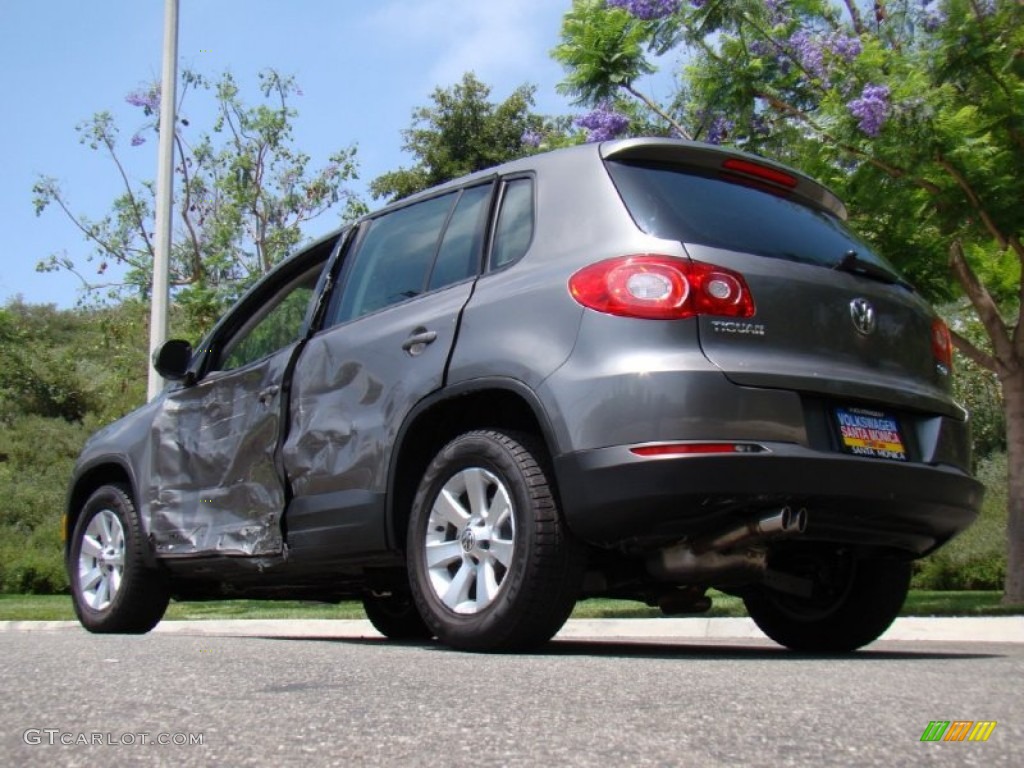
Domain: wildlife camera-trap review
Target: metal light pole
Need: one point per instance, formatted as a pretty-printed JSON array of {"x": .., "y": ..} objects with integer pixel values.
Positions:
[{"x": 164, "y": 193}]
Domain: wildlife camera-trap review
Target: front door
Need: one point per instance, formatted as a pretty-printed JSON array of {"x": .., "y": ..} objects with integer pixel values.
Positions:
[{"x": 215, "y": 485}]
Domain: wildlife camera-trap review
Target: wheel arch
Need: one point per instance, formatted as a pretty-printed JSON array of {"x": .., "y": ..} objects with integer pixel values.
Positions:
[
  {"x": 496, "y": 403},
  {"x": 107, "y": 470}
]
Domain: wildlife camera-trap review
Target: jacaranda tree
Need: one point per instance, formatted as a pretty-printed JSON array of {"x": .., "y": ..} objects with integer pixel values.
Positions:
[
  {"x": 242, "y": 194},
  {"x": 913, "y": 111}
]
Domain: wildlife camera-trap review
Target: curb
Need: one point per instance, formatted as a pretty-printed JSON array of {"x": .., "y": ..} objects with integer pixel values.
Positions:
[{"x": 981, "y": 629}]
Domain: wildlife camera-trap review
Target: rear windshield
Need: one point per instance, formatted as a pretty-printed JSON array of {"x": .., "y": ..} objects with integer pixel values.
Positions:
[{"x": 674, "y": 204}]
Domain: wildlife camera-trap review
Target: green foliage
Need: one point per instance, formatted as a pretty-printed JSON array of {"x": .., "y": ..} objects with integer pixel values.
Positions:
[
  {"x": 243, "y": 192},
  {"x": 462, "y": 132},
  {"x": 977, "y": 558},
  {"x": 63, "y": 374},
  {"x": 36, "y": 456}
]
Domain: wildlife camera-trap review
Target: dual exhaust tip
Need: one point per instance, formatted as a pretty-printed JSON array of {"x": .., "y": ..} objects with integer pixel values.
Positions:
[{"x": 716, "y": 559}]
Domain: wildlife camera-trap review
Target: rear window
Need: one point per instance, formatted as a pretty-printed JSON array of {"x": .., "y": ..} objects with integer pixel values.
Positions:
[{"x": 674, "y": 204}]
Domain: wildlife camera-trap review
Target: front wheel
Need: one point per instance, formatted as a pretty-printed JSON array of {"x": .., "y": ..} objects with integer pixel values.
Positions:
[
  {"x": 111, "y": 587},
  {"x": 853, "y": 601},
  {"x": 491, "y": 564}
]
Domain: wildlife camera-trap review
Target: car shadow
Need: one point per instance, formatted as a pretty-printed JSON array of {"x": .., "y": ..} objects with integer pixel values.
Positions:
[{"x": 667, "y": 649}]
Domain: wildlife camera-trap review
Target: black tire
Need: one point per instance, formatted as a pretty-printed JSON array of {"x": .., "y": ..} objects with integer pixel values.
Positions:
[
  {"x": 854, "y": 601},
  {"x": 395, "y": 616},
  {"x": 530, "y": 593},
  {"x": 111, "y": 588}
]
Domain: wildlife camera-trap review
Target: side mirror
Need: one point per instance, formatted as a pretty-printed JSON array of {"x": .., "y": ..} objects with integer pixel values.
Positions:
[{"x": 173, "y": 359}]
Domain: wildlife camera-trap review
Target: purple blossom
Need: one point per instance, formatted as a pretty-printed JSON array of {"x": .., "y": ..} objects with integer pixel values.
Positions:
[
  {"x": 846, "y": 48},
  {"x": 719, "y": 130},
  {"x": 648, "y": 10},
  {"x": 531, "y": 138},
  {"x": 138, "y": 140},
  {"x": 932, "y": 16},
  {"x": 148, "y": 99},
  {"x": 871, "y": 109},
  {"x": 776, "y": 11},
  {"x": 603, "y": 123},
  {"x": 818, "y": 53}
]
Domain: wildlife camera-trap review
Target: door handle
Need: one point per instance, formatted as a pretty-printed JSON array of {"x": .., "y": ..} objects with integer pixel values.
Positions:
[
  {"x": 419, "y": 340},
  {"x": 267, "y": 394}
]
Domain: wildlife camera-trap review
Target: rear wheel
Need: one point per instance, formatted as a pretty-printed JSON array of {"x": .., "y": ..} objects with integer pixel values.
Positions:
[
  {"x": 852, "y": 603},
  {"x": 395, "y": 616},
  {"x": 491, "y": 563},
  {"x": 111, "y": 587}
]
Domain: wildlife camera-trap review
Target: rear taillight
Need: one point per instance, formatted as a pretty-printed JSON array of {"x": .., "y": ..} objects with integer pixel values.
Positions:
[
  {"x": 942, "y": 344},
  {"x": 661, "y": 288},
  {"x": 759, "y": 172}
]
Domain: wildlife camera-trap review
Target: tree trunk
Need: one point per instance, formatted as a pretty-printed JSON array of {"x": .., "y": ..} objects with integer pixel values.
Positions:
[{"x": 1013, "y": 401}]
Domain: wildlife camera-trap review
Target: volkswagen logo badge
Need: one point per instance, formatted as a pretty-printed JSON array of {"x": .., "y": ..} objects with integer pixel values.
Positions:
[
  {"x": 467, "y": 540},
  {"x": 862, "y": 312}
]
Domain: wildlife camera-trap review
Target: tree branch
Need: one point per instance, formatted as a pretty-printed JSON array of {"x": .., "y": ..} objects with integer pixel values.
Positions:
[
  {"x": 855, "y": 18},
  {"x": 975, "y": 201},
  {"x": 891, "y": 170},
  {"x": 1006, "y": 362},
  {"x": 683, "y": 133},
  {"x": 197, "y": 258},
  {"x": 968, "y": 349},
  {"x": 131, "y": 198}
]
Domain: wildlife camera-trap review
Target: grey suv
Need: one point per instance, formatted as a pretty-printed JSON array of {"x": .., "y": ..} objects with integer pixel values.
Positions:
[{"x": 637, "y": 369}]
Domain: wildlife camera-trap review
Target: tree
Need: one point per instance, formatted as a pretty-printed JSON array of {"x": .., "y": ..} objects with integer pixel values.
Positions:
[
  {"x": 463, "y": 132},
  {"x": 910, "y": 109},
  {"x": 243, "y": 193}
]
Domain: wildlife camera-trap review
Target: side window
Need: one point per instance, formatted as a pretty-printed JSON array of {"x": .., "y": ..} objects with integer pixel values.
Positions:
[
  {"x": 514, "y": 230},
  {"x": 273, "y": 326},
  {"x": 463, "y": 239},
  {"x": 393, "y": 260}
]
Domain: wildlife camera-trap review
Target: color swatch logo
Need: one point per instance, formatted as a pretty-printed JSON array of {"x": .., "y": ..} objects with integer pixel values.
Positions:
[{"x": 958, "y": 730}]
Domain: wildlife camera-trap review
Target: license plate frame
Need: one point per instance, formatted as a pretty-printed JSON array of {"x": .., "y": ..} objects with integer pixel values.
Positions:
[{"x": 870, "y": 433}]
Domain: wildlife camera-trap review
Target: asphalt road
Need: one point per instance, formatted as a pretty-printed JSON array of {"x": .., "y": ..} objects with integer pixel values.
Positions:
[{"x": 279, "y": 700}]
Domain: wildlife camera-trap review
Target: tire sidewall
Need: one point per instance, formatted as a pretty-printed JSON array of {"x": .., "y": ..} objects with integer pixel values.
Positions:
[
  {"x": 142, "y": 596},
  {"x": 472, "y": 450}
]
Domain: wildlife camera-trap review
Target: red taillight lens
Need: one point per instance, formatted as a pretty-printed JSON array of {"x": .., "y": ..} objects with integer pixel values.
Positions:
[
  {"x": 661, "y": 288},
  {"x": 942, "y": 344},
  {"x": 760, "y": 172}
]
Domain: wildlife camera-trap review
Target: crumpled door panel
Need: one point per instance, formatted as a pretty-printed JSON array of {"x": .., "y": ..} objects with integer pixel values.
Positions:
[{"x": 214, "y": 487}]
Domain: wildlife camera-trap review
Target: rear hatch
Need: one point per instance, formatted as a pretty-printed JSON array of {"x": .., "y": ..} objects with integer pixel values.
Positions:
[{"x": 832, "y": 318}]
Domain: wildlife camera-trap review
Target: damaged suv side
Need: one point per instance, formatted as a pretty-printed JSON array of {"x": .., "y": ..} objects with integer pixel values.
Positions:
[{"x": 638, "y": 369}]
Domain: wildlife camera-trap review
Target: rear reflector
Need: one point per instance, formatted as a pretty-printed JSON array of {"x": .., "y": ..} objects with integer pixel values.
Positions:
[
  {"x": 661, "y": 288},
  {"x": 689, "y": 449}
]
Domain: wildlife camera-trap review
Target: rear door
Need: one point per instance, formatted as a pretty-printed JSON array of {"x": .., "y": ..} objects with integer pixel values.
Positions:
[{"x": 385, "y": 345}]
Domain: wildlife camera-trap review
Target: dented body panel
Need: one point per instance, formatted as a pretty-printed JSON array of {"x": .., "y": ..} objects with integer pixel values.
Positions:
[{"x": 212, "y": 485}]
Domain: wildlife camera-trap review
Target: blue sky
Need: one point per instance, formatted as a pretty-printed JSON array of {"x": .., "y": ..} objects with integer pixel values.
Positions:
[{"x": 362, "y": 66}]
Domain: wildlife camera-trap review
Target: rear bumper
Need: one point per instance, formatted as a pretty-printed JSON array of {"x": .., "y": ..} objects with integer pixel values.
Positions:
[{"x": 612, "y": 497}]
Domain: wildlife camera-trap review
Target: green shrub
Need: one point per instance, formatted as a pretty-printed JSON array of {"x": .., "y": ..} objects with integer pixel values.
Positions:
[{"x": 977, "y": 558}]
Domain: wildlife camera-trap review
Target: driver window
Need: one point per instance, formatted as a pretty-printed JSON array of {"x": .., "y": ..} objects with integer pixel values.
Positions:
[{"x": 272, "y": 326}]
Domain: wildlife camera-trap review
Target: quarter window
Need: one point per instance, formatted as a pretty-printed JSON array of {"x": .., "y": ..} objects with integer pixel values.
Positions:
[{"x": 514, "y": 230}]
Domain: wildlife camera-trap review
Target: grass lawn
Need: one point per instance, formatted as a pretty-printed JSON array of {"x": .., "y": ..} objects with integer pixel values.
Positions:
[{"x": 58, "y": 607}]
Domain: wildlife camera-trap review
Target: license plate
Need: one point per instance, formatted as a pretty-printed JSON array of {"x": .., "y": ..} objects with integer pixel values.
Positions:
[{"x": 864, "y": 432}]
